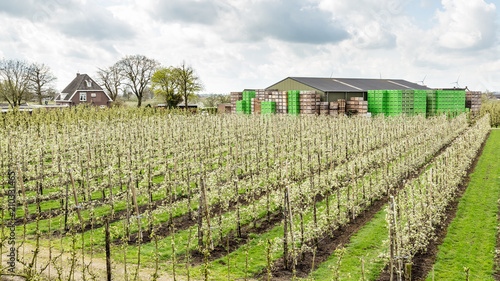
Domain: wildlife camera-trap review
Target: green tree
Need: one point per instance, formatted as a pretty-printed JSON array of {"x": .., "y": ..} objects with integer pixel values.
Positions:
[
  {"x": 214, "y": 100},
  {"x": 188, "y": 82},
  {"x": 164, "y": 83},
  {"x": 194, "y": 98}
]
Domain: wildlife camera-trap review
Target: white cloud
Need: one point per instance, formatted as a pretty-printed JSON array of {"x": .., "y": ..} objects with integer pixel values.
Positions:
[
  {"x": 467, "y": 24},
  {"x": 371, "y": 23},
  {"x": 249, "y": 21},
  {"x": 254, "y": 43},
  {"x": 90, "y": 21},
  {"x": 84, "y": 19}
]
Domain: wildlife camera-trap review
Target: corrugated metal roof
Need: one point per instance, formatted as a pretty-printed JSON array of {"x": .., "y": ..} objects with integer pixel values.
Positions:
[{"x": 356, "y": 84}]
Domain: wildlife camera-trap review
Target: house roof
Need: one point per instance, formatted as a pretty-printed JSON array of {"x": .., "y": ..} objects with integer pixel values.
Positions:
[
  {"x": 355, "y": 84},
  {"x": 82, "y": 82}
]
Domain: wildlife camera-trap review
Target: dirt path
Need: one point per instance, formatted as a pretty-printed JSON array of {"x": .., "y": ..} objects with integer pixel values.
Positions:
[{"x": 63, "y": 263}]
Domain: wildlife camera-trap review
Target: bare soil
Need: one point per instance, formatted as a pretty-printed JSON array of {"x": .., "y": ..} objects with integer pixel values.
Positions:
[{"x": 62, "y": 261}]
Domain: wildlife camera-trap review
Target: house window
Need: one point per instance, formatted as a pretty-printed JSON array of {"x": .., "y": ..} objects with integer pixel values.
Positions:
[
  {"x": 89, "y": 83},
  {"x": 83, "y": 96},
  {"x": 93, "y": 95}
]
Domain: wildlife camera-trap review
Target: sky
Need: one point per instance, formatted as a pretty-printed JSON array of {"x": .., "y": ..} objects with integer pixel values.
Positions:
[{"x": 240, "y": 44}]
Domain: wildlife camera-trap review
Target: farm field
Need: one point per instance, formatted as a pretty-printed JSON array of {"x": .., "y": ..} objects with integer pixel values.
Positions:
[{"x": 166, "y": 195}]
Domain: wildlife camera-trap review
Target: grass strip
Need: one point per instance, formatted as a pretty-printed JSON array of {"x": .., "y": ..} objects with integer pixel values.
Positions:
[
  {"x": 367, "y": 244},
  {"x": 471, "y": 239}
]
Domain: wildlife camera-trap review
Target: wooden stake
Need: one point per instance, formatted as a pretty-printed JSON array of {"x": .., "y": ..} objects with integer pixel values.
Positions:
[
  {"x": 76, "y": 198},
  {"x": 391, "y": 244},
  {"x": 108, "y": 252},
  {"x": 26, "y": 211},
  {"x": 207, "y": 213}
]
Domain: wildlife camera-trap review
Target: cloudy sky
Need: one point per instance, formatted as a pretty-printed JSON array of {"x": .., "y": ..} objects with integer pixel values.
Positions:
[{"x": 237, "y": 44}]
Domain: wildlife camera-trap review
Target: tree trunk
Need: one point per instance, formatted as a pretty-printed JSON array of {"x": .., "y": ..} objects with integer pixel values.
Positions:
[
  {"x": 108, "y": 252},
  {"x": 200, "y": 222},
  {"x": 139, "y": 101}
]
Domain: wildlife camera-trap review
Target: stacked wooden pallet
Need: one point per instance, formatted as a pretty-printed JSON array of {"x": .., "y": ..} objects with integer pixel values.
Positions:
[
  {"x": 341, "y": 106},
  {"x": 473, "y": 101},
  {"x": 307, "y": 102},
  {"x": 254, "y": 105},
  {"x": 235, "y": 96},
  {"x": 283, "y": 105},
  {"x": 280, "y": 98},
  {"x": 334, "y": 108},
  {"x": 261, "y": 94},
  {"x": 317, "y": 104},
  {"x": 362, "y": 106},
  {"x": 357, "y": 105},
  {"x": 324, "y": 108}
]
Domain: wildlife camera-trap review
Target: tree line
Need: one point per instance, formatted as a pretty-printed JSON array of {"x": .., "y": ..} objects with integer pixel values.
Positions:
[
  {"x": 140, "y": 74},
  {"x": 23, "y": 81}
]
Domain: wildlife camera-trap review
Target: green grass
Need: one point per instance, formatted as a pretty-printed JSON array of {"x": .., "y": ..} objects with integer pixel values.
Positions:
[
  {"x": 367, "y": 243},
  {"x": 471, "y": 238}
]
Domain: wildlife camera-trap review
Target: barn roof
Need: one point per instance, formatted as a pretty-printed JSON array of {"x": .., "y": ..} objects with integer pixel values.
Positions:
[{"x": 355, "y": 84}]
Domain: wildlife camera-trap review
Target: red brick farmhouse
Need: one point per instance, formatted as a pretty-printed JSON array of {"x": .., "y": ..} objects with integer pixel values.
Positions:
[{"x": 83, "y": 90}]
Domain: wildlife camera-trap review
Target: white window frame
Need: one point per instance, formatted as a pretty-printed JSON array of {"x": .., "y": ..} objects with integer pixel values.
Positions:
[
  {"x": 83, "y": 96},
  {"x": 93, "y": 95}
]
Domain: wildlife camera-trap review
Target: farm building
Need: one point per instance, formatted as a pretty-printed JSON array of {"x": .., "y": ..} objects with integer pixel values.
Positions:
[
  {"x": 353, "y": 96},
  {"x": 83, "y": 90},
  {"x": 332, "y": 89},
  {"x": 224, "y": 108}
]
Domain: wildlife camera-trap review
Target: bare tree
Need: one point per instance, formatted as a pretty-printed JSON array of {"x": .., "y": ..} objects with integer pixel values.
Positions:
[
  {"x": 15, "y": 81},
  {"x": 112, "y": 78},
  {"x": 189, "y": 83},
  {"x": 137, "y": 70},
  {"x": 41, "y": 79}
]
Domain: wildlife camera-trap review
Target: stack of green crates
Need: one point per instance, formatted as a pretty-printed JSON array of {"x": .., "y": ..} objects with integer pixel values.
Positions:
[
  {"x": 413, "y": 102},
  {"x": 397, "y": 102},
  {"x": 293, "y": 102},
  {"x": 444, "y": 101},
  {"x": 419, "y": 101},
  {"x": 393, "y": 102},
  {"x": 241, "y": 107},
  {"x": 407, "y": 102},
  {"x": 376, "y": 101},
  {"x": 247, "y": 98},
  {"x": 267, "y": 107},
  {"x": 459, "y": 101},
  {"x": 449, "y": 102},
  {"x": 431, "y": 103}
]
